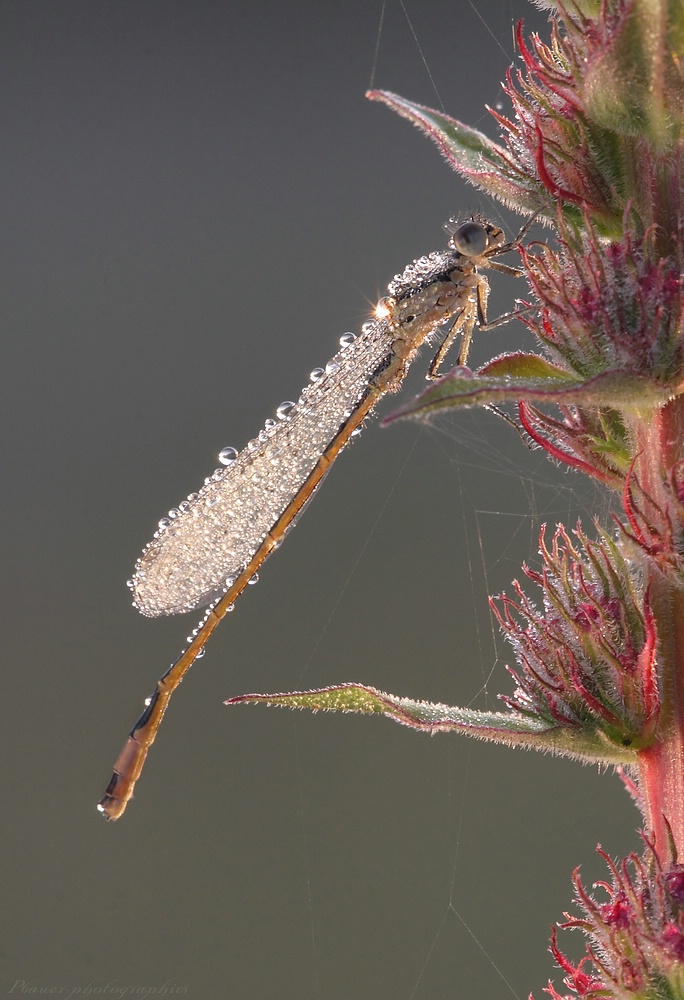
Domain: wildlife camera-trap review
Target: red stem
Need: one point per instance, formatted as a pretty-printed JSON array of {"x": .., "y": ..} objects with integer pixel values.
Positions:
[{"x": 660, "y": 444}]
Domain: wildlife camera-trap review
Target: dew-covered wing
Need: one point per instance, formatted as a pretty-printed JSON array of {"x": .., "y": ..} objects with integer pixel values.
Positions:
[{"x": 190, "y": 560}]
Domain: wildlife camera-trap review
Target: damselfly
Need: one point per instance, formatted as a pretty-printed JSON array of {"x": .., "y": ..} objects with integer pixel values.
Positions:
[{"x": 210, "y": 548}]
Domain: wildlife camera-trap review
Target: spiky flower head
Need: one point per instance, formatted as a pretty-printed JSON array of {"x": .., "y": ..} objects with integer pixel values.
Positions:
[
  {"x": 634, "y": 924},
  {"x": 586, "y": 659}
]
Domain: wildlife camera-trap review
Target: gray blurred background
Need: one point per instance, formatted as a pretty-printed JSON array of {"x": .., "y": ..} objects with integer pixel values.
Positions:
[{"x": 196, "y": 203}]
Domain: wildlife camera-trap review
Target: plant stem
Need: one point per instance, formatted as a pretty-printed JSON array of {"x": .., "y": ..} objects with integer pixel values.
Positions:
[{"x": 660, "y": 442}]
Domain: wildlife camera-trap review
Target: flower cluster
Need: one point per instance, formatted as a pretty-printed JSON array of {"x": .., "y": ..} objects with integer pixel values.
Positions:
[
  {"x": 610, "y": 306},
  {"x": 550, "y": 120},
  {"x": 635, "y": 933},
  {"x": 587, "y": 659},
  {"x": 612, "y": 314},
  {"x": 602, "y": 96}
]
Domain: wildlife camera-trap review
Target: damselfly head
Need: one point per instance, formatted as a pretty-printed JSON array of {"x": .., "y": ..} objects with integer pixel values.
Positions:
[{"x": 474, "y": 238}]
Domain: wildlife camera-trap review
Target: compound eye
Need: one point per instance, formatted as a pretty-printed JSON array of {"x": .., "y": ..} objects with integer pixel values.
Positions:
[{"x": 470, "y": 239}]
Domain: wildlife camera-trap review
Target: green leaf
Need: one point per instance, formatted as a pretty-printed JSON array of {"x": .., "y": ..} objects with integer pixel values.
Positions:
[
  {"x": 483, "y": 162},
  {"x": 510, "y": 728},
  {"x": 530, "y": 367},
  {"x": 512, "y": 377}
]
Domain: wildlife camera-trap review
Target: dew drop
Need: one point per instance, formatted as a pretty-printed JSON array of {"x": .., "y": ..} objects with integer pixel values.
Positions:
[
  {"x": 383, "y": 309},
  {"x": 284, "y": 409},
  {"x": 269, "y": 424},
  {"x": 252, "y": 580},
  {"x": 130, "y": 584},
  {"x": 164, "y": 523},
  {"x": 331, "y": 368},
  {"x": 200, "y": 653},
  {"x": 347, "y": 339},
  {"x": 211, "y": 501},
  {"x": 227, "y": 456},
  {"x": 230, "y": 580},
  {"x": 174, "y": 512},
  {"x": 317, "y": 374}
]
